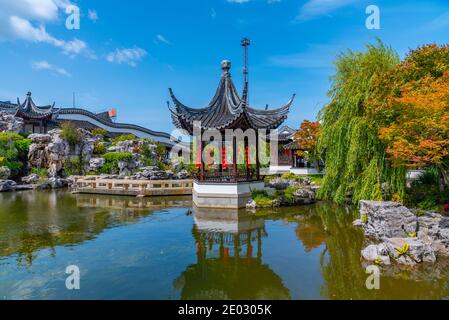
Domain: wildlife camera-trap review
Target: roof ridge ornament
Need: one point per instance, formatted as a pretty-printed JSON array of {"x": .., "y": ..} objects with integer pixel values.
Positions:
[{"x": 226, "y": 66}]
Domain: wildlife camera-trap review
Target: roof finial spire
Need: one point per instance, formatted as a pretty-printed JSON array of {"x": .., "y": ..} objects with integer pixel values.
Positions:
[
  {"x": 226, "y": 66},
  {"x": 245, "y": 44}
]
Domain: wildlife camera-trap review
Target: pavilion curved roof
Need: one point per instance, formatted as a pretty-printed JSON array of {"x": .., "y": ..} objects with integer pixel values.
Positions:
[
  {"x": 28, "y": 109},
  {"x": 227, "y": 110}
]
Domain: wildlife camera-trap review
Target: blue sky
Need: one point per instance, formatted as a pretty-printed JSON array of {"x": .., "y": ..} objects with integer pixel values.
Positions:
[{"x": 127, "y": 54}]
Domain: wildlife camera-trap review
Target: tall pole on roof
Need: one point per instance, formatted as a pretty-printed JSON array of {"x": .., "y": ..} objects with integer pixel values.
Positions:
[{"x": 245, "y": 44}]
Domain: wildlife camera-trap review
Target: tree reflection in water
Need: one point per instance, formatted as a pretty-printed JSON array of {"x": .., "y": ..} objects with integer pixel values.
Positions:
[
  {"x": 239, "y": 255},
  {"x": 31, "y": 221}
]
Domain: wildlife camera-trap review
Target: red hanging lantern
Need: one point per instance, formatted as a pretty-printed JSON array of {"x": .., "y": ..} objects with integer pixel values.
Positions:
[
  {"x": 223, "y": 158},
  {"x": 198, "y": 163},
  {"x": 247, "y": 157}
]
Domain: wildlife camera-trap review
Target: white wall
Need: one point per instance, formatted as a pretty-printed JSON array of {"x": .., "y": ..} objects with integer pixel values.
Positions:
[{"x": 137, "y": 133}]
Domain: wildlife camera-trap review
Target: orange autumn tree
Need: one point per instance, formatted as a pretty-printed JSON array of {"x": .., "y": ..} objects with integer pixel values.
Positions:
[
  {"x": 306, "y": 139},
  {"x": 416, "y": 111}
]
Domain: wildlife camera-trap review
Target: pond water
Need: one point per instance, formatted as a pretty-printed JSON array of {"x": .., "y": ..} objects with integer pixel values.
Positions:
[{"x": 161, "y": 248}]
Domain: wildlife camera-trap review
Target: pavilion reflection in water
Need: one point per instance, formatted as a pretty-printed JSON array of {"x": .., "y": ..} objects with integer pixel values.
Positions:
[{"x": 229, "y": 259}]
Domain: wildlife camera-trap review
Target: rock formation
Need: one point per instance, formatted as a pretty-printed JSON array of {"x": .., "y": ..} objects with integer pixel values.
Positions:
[
  {"x": 49, "y": 151},
  {"x": 405, "y": 236},
  {"x": 5, "y": 173},
  {"x": 10, "y": 123}
]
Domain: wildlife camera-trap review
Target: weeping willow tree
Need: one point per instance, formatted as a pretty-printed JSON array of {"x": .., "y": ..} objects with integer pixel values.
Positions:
[{"x": 355, "y": 158}]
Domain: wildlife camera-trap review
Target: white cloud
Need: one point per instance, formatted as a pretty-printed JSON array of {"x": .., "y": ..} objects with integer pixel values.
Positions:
[
  {"x": 213, "y": 13},
  {"x": 128, "y": 56},
  {"x": 315, "y": 8},
  {"x": 25, "y": 20},
  {"x": 31, "y": 9},
  {"x": 44, "y": 65},
  {"x": 22, "y": 29},
  {"x": 92, "y": 15},
  {"x": 161, "y": 38}
]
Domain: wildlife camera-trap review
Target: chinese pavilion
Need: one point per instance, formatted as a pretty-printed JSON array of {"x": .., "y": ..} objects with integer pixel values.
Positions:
[
  {"x": 37, "y": 119},
  {"x": 226, "y": 183}
]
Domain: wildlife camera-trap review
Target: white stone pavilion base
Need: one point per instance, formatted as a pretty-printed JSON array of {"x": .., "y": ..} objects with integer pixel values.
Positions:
[{"x": 223, "y": 195}]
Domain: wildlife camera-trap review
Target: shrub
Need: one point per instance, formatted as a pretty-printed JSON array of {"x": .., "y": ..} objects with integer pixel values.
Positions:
[
  {"x": 429, "y": 177},
  {"x": 23, "y": 146},
  {"x": 429, "y": 203},
  {"x": 163, "y": 166},
  {"x": 161, "y": 151},
  {"x": 99, "y": 132},
  {"x": 14, "y": 152},
  {"x": 70, "y": 133},
  {"x": 267, "y": 179},
  {"x": 262, "y": 199},
  {"x": 289, "y": 195},
  {"x": 73, "y": 166},
  {"x": 425, "y": 193},
  {"x": 99, "y": 149},
  {"x": 124, "y": 137},
  {"x": 112, "y": 159},
  {"x": 290, "y": 176},
  {"x": 42, "y": 172},
  {"x": 6, "y": 136},
  {"x": 316, "y": 178},
  {"x": 147, "y": 154}
]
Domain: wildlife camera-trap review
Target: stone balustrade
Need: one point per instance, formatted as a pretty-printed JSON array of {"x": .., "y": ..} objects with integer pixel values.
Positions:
[{"x": 140, "y": 188}]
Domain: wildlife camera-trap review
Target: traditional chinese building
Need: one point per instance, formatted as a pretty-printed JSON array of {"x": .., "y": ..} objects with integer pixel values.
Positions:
[
  {"x": 41, "y": 119},
  {"x": 227, "y": 182},
  {"x": 289, "y": 159}
]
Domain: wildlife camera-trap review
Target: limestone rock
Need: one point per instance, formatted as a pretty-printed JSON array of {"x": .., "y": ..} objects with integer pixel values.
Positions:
[
  {"x": 5, "y": 173},
  {"x": 31, "y": 179},
  {"x": 50, "y": 150},
  {"x": 409, "y": 239},
  {"x": 39, "y": 138},
  {"x": 57, "y": 183},
  {"x": 152, "y": 173},
  {"x": 24, "y": 187},
  {"x": 378, "y": 253},
  {"x": 282, "y": 184},
  {"x": 10, "y": 123},
  {"x": 181, "y": 175},
  {"x": 7, "y": 185},
  {"x": 279, "y": 184},
  {"x": 251, "y": 204},
  {"x": 418, "y": 251},
  {"x": 96, "y": 163},
  {"x": 387, "y": 219},
  {"x": 304, "y": 196}
]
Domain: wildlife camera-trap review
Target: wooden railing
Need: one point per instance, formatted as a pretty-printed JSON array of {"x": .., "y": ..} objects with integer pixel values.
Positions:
[{"x": 227, "y": 176}]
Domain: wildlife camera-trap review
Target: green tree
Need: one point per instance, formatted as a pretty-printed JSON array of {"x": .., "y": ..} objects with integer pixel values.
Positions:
[
  {"x": 355, "y": 157},
  {"x": 14, "y": 152},
  {"x": 70, "y": 133}
]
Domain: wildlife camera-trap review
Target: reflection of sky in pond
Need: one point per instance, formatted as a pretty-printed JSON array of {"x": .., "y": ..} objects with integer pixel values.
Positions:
[{"x": 151, "y": 249}]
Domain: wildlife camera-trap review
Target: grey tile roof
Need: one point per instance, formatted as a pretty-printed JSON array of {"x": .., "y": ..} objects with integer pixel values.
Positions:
[
  {"x": 28, "y": 109},
  {"x": 227, "y": 110}
]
